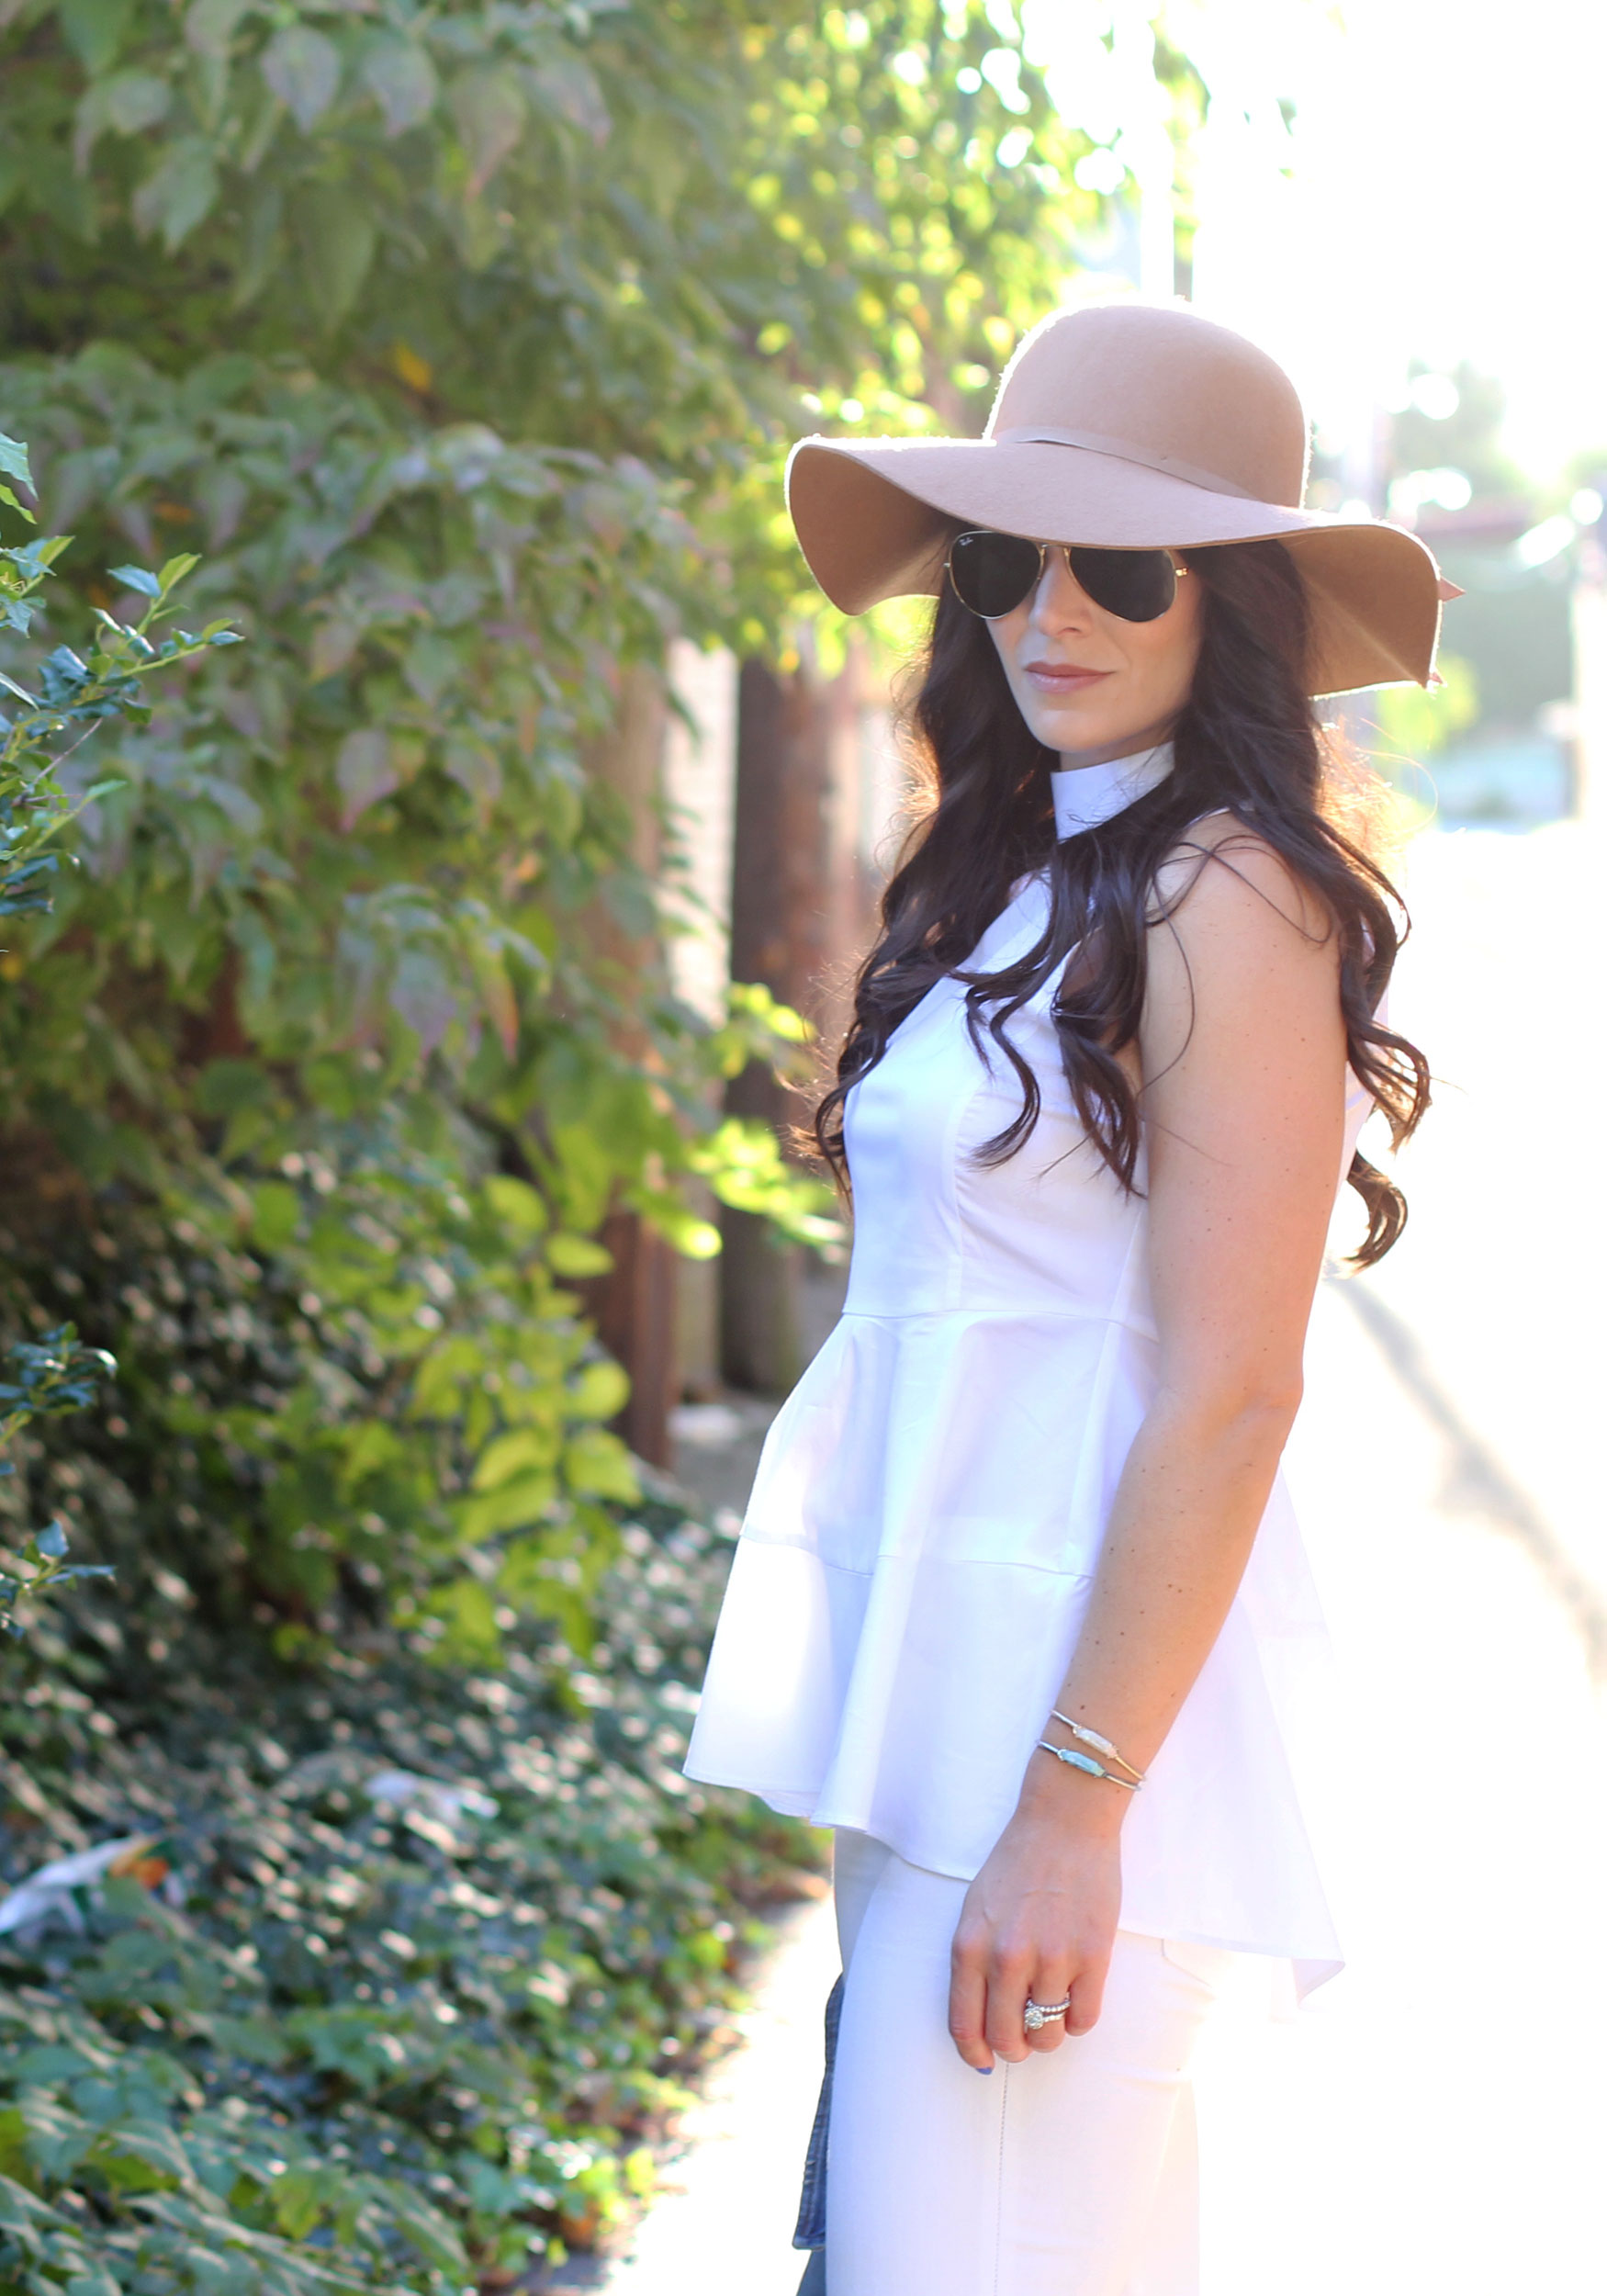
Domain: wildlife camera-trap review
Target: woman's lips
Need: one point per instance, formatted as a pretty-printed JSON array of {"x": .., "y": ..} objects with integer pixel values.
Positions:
[{"x": 1060, "y": 678}]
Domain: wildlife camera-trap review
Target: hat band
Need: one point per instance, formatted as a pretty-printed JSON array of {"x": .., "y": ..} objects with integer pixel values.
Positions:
[{"x": 1123, "y": 451}]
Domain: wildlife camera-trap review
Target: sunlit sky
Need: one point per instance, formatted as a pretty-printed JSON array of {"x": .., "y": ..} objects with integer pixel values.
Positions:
[{"x": 1446, "y": 195}]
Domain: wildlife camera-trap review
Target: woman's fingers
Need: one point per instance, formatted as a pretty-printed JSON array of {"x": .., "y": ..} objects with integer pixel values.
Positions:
[
  {"x": 1087, "y": 1996},
  {"x": 1009, "y": 1977},
  {"x": 968, "y": 1998}
]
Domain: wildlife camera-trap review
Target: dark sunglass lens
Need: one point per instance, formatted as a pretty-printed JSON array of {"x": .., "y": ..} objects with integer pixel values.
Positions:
[
  {"x": 1137, "y": 585},
  {"x": 993, "y": 573}
]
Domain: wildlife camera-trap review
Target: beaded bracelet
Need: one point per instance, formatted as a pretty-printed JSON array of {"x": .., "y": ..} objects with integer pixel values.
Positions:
[
  {"x": 1100, "y": 1745},
  {"x": 1087, "y": 1762}
]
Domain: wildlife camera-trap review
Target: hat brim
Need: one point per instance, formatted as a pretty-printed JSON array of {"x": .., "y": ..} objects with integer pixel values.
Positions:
[{"x": 873, "y": 517}]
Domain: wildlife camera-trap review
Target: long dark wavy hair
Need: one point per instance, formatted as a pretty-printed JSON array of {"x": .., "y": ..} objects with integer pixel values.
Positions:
[{"x": 1248, "y": 743}]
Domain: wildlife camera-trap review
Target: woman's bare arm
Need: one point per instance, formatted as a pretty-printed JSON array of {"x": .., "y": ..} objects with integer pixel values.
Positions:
[{"x": 1243, "y": 1052}]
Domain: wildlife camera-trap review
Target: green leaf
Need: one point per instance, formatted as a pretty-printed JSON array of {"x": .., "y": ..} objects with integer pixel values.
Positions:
[
  {"x": 599, "y": 1465},
  {"x": 398, "y": 74},
  {"x": 140, "y": 2156},
  {"x": 431, "y": 665},
  {"x": 14, "y": 460},
  {"x": 209, "y": 26},
  {"x": 501, "y": 1004},
  {"x": 601, "y": 1389},
  {"x": 570, "y": 86},
  {"x": 174, "y": 571},
  {"x": 489, "y": 112},
  {"x": 60, "y": 191},
  {"x": 469, "y": 1613},
  {"x": 132, "y": 101},
  {"x": 98, "y": 2282},
  {"x": 303, "y": 69},
  {"x": 52, "y": 1542},
  {"x": 424, "y": 994},
  {"x": 693, "y": 1236},
  {"x": 127, "y": 103},
  {"x": 474, "y": 765},
  {"x": 516, "y": 1205},
  {"x": 94, "y": 29},
  {"x": 224, "y": 1087},
  {"x": 577, "y": 1256},
  {"x": 257, "y": 2038},
  {"x": 178, "y": 193},
  {"x": 365, "y": 772},
  {"x": 275, "y": 1215},
  {"x": 334, "y": 641},
  {"x": 524, "y": 1498},
  {"x": 337, "y": 238},
  {"x": 135, "y": 578},
  {"x": 47, "y": 548},
  {"x": 509, "y": 1453}
]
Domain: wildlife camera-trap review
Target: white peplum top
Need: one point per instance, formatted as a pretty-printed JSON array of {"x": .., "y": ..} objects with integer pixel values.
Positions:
[{"x": 929, "y": 1510}]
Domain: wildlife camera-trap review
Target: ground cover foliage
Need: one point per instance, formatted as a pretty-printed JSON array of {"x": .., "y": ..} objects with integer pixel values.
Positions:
[
  {"x": 453, "y": 354},
  {"x": 447, "y": 1946}
]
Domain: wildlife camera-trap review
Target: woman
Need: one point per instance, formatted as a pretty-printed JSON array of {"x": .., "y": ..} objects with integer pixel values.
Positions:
[{"x": 1019, "y": 1608}]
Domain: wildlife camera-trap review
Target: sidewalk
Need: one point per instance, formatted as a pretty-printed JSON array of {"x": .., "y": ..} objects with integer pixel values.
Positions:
[
  {"x": 724, "y": 2218},
  {"x": 1435, "y": 2121}
]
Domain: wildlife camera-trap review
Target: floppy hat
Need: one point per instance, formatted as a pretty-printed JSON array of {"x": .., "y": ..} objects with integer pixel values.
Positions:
[{"x": 1126, "y": 426}]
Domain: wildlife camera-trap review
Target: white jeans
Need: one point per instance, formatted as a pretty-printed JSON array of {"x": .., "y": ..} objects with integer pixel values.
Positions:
[{"x": 1073, "y": 2174}]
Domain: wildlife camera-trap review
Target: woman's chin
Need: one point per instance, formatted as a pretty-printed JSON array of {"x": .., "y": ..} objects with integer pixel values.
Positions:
[{"x": 1081, "y": 737}]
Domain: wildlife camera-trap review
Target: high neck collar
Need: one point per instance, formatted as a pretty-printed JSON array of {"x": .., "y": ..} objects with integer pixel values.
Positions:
[{"x": 1085, "y": 795}]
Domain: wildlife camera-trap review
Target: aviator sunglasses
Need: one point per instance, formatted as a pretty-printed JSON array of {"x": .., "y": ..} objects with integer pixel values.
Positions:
[{"x": 993, "y": 574}]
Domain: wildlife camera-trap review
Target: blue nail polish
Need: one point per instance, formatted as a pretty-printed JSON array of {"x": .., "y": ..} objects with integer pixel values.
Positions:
[{"x": 982, "y": 2068}]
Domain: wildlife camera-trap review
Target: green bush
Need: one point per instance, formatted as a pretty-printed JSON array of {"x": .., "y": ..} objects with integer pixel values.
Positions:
[
  {"x": 316, "y": 1040},
  {"x": 463, "y": 346}
]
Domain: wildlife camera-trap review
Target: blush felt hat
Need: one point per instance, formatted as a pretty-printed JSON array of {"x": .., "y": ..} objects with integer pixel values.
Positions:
[{"x": 1124, "y": 426}]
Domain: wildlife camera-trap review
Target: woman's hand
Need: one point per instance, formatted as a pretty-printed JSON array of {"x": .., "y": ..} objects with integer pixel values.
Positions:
[{"x": 1039, "y": 1918}]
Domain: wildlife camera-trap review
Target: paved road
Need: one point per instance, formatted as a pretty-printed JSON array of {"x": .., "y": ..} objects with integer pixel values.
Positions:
[
  {"x": 1503, "y": 1275},
  {"x": 1436, "y": 2120}
]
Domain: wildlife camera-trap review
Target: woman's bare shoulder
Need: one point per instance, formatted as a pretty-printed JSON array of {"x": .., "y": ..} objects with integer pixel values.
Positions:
[{"x": 1222, "y": 874}]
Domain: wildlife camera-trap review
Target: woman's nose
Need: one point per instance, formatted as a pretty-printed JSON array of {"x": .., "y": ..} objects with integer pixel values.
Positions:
[{"x": 1060, "y": 602}]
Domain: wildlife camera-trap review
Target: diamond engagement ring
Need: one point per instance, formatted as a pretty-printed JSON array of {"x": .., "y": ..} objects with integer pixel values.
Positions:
[{"x": 1038, "y": 2014}]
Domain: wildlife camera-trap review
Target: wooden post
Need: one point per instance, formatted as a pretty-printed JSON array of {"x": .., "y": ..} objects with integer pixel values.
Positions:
[
  {"x": 818, "y": 790},
  {"x": 779, "y": 936},
  {"x": 634, "y": 1305},
  {"x": 700, "y": 789},
  {"x": 633, "y": 1309}
]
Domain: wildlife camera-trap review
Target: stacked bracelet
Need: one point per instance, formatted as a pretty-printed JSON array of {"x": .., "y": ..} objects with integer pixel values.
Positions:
[
  {"x": 1094, "y": 1767},
  {"x": 1124, "y": 1772}
]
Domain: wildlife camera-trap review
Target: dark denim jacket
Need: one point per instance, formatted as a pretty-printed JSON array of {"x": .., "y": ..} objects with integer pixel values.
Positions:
[{"x": 810, "y": 2231}]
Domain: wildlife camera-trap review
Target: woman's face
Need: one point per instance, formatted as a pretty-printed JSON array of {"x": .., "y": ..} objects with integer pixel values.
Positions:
[{"x": 1089, "y": 684}]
